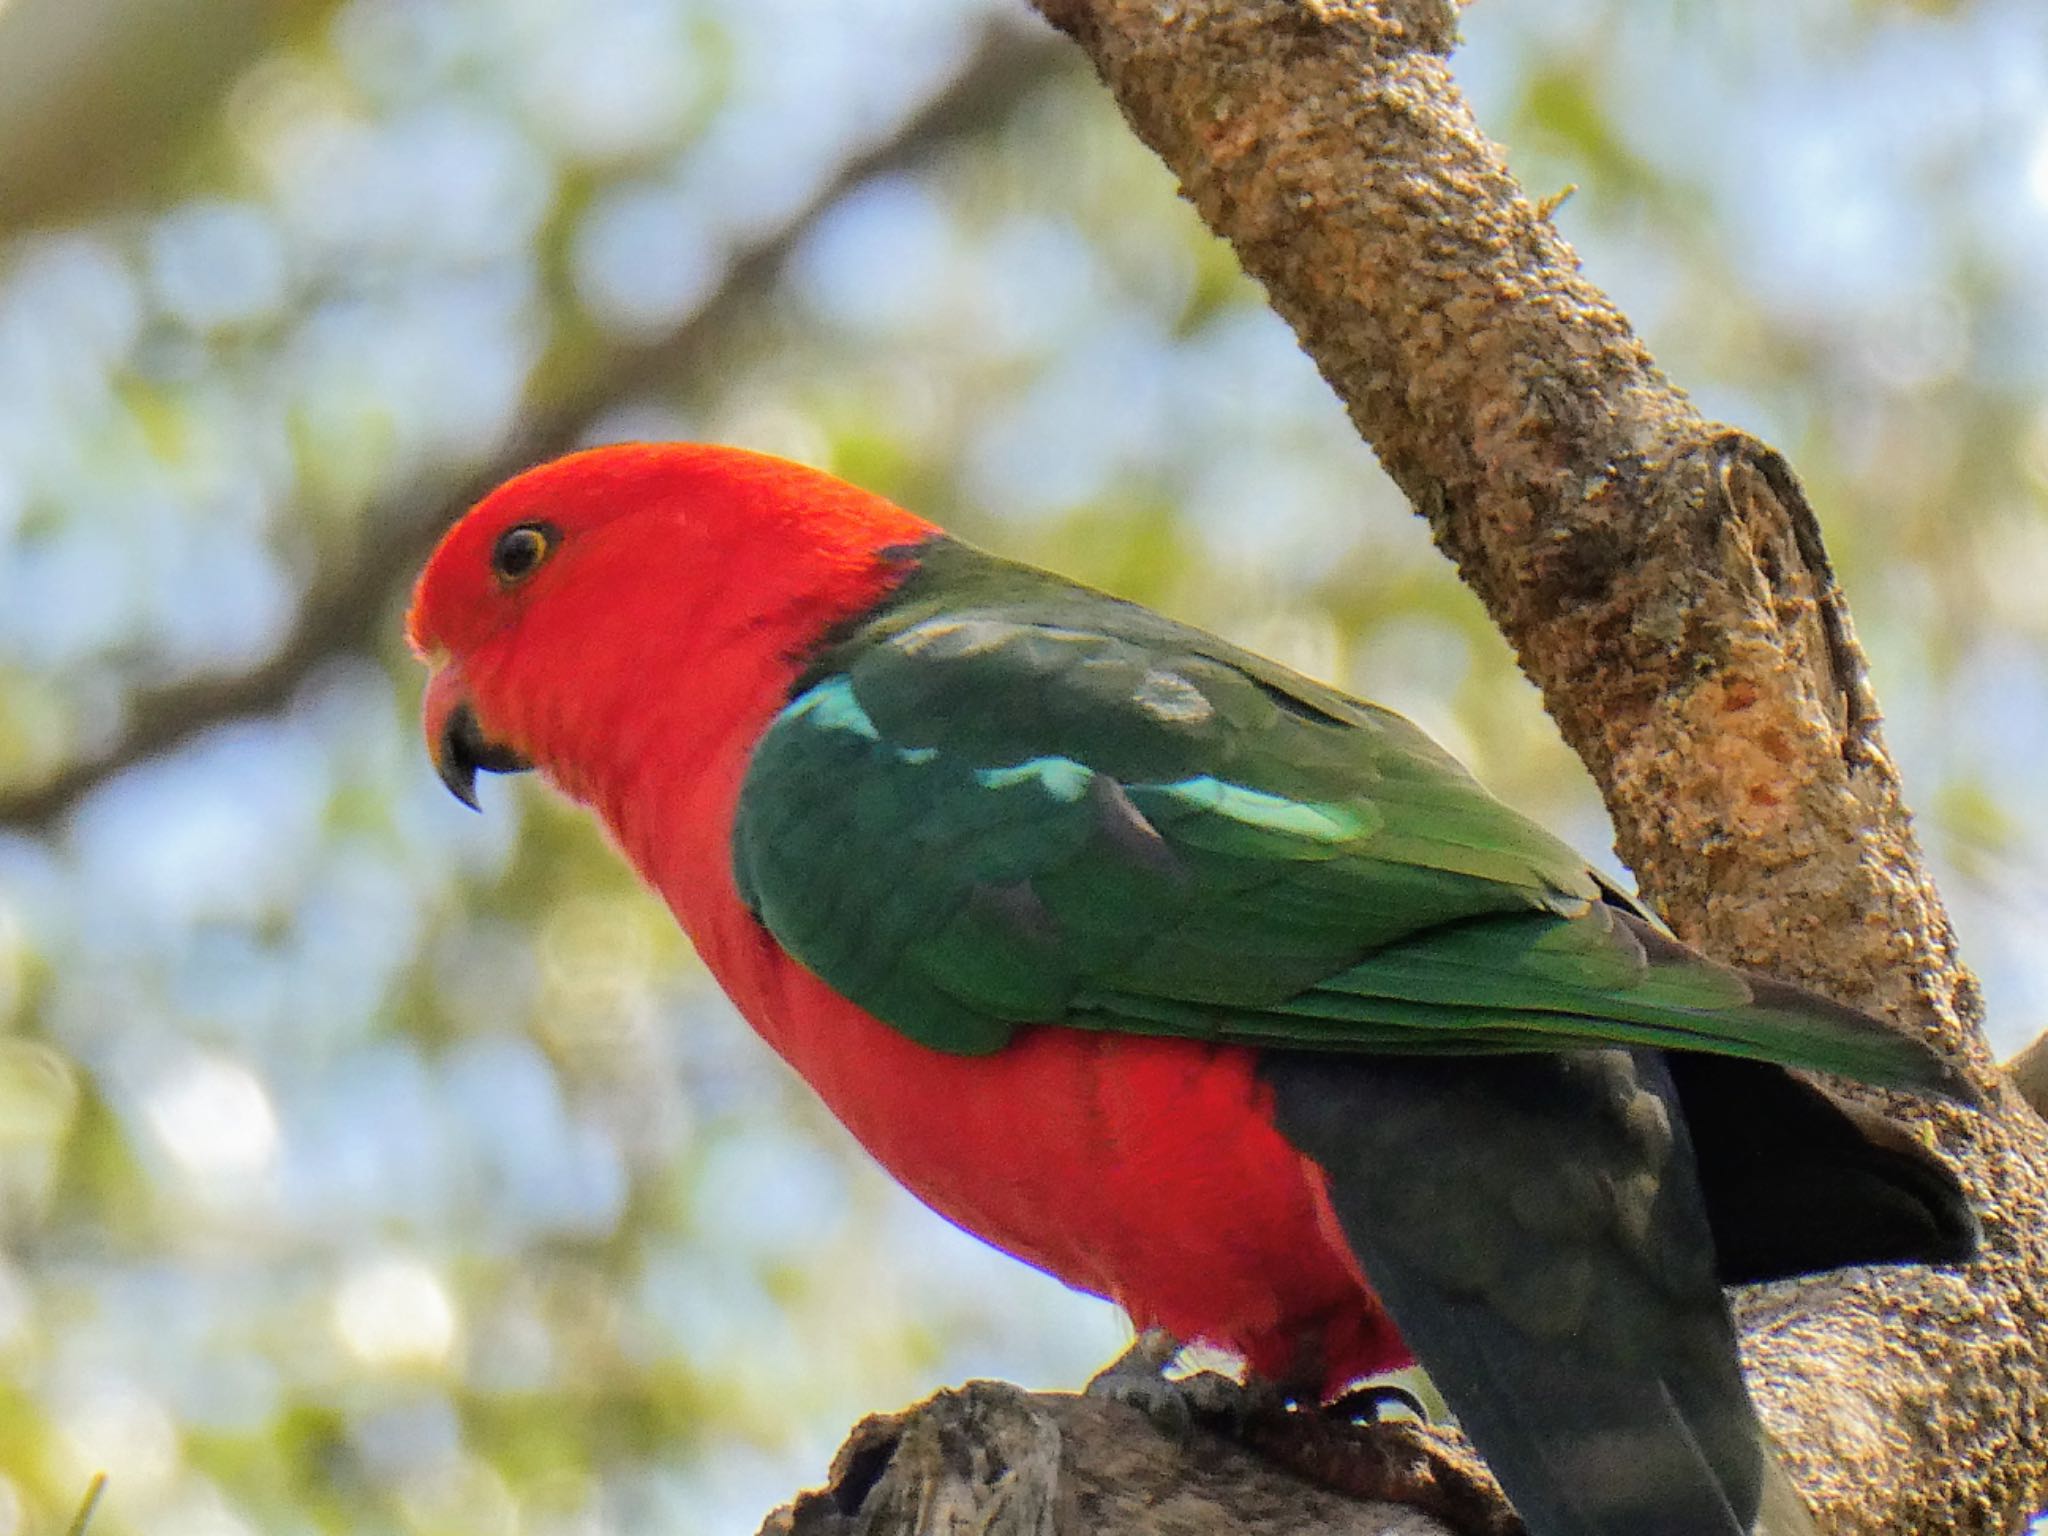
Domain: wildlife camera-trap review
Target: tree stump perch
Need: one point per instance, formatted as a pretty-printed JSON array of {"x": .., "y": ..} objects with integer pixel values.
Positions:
[{"x": 990, "y": 1459}]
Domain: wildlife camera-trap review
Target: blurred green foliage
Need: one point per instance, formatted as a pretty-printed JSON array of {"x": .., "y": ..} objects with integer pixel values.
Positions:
[{"x": 368, "y": 1166}]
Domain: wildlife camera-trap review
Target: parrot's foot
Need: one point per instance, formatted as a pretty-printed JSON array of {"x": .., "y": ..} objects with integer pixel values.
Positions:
[
  {"x": 1177, "y": 1405},
  {"x": 1374, "y": 1442}
]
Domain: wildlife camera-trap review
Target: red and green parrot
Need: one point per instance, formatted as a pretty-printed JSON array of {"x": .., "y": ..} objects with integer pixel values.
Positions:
[{"x": 1200, "y": 985}]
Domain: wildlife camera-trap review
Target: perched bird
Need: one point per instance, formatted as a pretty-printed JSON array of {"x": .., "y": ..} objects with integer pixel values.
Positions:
[{"x": 1200, "y": 985}]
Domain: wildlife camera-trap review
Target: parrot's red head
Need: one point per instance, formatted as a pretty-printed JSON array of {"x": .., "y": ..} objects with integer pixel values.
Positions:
[{"x": 646, "y": 587}]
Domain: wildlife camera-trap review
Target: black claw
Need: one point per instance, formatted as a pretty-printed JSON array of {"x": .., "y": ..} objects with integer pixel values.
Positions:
[{"x": 1374, "y": 1401}]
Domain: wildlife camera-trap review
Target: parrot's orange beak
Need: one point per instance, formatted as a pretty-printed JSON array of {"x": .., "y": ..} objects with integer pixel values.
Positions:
[{"x": 455, "y": 740}]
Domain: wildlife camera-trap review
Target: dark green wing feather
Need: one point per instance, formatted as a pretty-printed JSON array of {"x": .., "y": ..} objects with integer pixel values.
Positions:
[{"x": 1004, "y": 799}]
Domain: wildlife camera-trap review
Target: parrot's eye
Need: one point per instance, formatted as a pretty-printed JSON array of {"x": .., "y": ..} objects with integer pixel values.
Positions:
[{"x": 520, "y": 550}]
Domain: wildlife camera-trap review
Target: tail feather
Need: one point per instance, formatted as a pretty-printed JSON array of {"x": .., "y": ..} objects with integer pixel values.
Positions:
[
  {"x": 1535, "y": 1229},
  {"x": 1797, "y": 1181},
  {"x": 1582, "y": 1449}
]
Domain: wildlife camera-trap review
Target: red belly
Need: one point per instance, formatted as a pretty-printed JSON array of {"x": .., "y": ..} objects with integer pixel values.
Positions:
[{"x": 1144, "y": 1170}]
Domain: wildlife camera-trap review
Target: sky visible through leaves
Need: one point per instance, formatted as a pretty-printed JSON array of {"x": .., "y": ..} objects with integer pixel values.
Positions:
[{"x": 371, "y": 1166}]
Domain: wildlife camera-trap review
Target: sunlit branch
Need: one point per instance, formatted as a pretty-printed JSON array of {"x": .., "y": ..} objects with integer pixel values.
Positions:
[{"x": 2029, "y": 1073}]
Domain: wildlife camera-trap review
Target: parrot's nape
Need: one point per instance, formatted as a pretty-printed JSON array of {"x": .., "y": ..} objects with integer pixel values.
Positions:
[{"x": 1201, "y": 985}]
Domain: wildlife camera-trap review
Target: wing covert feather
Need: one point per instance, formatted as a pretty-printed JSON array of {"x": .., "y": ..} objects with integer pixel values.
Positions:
[{"x": 1007, "y": 800}]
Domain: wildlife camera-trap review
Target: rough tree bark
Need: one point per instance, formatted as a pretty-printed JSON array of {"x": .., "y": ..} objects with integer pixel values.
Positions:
[{"x": 1663, "y": 581}]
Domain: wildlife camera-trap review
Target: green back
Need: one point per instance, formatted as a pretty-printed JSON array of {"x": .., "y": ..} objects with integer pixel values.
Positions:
[{"x": 1001, "y": 799}]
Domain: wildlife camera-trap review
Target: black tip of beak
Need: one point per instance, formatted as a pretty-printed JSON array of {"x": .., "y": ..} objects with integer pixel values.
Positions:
[{"x": 464, "y": 749}]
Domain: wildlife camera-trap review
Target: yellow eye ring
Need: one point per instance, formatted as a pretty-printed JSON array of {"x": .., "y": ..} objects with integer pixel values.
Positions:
[{"x": 520, "y": 550}]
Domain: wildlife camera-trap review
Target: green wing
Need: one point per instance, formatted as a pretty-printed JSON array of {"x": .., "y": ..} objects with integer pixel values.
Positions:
[{"x": 1007, "y": 800}]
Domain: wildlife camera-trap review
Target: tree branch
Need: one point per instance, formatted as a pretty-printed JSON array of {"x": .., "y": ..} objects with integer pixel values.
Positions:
[
  {"x": 1663, "y": 580},
  {"x": 349, "y": 609},
  {"x": 98, "y": 97},
  {"x": 996, "y": 1461},
  {"x": 2029, "y": 1073}
]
